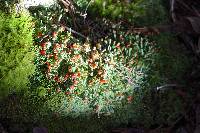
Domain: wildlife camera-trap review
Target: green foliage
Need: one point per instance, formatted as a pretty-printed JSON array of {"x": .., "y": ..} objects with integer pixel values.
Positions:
[
  {"x": 154, "y": 13},
  {"x": 9, "y": 6},
  {"x": 171, "y": 61},
  {"x": 15, "y": 55},
  {"x": 117, "y": 9},
  {"x": 82, "y": 3},
  {"x": 141, "y": 12},
  {"x": 57, "y": 114},
  {"x": 108, "y": 70},
  {"x": 138, "y": 64},
  {"x": 100, "y": 75},
  {"x": 45, "y": 17},
  {"x": 133, "y": 65}
]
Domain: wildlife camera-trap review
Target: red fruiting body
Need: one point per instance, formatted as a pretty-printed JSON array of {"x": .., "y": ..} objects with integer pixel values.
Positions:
[
  {"x": 70, "y": 69},
  {"x": 48, "y": 65},
  {"x": 72, "y": 87},
  {"x": 43, "y": 45},
  {"x": 54, "y": 47},
  {"x": 49, "y": 56},
  {"x": 102, "y": 81},
  {"x": 39, "y": 34},
  {"x": 118, "y": 46},
  {"x": 55, "y": 56},
  {"x": 79, "y": 74},
  {"x": 42, "y": 52},
  {"x": 56, "y": 78},
  {"x": 54, "y": 34},
  {"x": 97, "y": 107},
  {"x": 75, "y": 82},
  {"x": 129, "y": 99},
  {"x": 66, "y": 76},
  {"x": 67, "y": 93},
  {"x": 73, "y": 76}
]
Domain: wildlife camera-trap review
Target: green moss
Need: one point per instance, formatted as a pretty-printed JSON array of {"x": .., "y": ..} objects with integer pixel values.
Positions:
[
  {"x": 171, "y": 61},
  {"x": 139, "y": 12},
  {"x": 117, "y": 9},
  {"x": 15, "y": 55}
]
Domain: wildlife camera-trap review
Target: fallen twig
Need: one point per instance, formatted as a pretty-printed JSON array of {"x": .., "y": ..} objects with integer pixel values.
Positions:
[{"x": 166, "y": 87}]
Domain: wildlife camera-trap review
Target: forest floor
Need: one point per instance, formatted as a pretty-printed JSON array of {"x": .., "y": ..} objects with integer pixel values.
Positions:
[{"x": 21, "y": 113}]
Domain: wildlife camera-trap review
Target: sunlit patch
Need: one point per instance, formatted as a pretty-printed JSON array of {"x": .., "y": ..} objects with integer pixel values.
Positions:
[
  {"x": 82, "y": 71},
  {"x": 28, "y": 3}
]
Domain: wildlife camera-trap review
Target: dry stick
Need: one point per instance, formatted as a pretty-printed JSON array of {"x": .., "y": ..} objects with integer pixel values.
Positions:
[
  {"x": 172, "y": 3},
  {"x": 68, "y": 5},
  {"x": 183, "y": 114},
  {"x": 165, "y": 87},
  {"x": 85, "y": 12},
  {"x": 67, "y": 28},
  {"x": 75, "y": 32}
]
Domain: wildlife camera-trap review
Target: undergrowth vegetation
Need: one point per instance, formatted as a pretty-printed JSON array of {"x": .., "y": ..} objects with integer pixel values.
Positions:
[
  {"x": 99, "y": 75},
  {"x": 15, "y": 55},
  {"x": 90, "y": 69}
]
